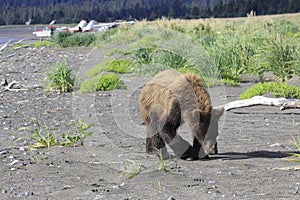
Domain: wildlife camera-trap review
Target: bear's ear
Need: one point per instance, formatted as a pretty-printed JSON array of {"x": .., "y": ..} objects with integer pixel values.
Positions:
[{"x": 217, "y": 111}]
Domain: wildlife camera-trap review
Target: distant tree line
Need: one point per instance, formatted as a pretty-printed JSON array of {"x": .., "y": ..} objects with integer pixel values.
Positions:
[{"x": 72, "y": 11}]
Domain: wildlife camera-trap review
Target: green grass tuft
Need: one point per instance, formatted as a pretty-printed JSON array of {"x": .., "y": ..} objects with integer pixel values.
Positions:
[
  {"x": 295, "y": 157},
  {"x": 40, "y": 137},
  {"x": 60, "y": 78}
]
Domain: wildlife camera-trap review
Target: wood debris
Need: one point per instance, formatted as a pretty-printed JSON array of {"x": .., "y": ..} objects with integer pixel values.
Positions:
[{"x": 283, "y": 103}]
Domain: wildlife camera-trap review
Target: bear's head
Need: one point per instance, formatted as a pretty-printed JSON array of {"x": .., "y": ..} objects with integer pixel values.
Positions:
[{"x": 210, "y": 140}]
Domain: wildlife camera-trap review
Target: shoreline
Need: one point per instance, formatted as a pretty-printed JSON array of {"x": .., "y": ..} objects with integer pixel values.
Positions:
[{"x": 17, "y": 32}]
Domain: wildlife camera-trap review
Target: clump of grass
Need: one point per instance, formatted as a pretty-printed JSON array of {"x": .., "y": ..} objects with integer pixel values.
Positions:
[
  {"x": 106, "y": 36},
  {"x": 280, "y": 56},
  {"x": 65, "y": 39},
  {"x": 276, "y": 89},
  {"x": 132, "y": 169},
  {"x": 232, "y": 57},
  {"x": 296, "y": 156},
  {"x": 81, "y": 133},
  {"x": 43, "y": 137},
  {"x": 36, "y": 134},
  {"x": 60, "y": 77},
  {"x": 143, "y": 56},
  {"x": 103, "y": 83}
]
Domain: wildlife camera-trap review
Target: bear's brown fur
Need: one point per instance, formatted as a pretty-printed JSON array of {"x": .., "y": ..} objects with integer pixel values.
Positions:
[{"x": 167, "y": 101}]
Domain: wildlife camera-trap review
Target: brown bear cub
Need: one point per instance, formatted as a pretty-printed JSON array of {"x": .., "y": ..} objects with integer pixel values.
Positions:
[{"x": 170, "y": 99}]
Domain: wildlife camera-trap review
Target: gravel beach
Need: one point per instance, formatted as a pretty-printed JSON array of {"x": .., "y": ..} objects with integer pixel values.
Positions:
[{"x": 254, "y": 142}]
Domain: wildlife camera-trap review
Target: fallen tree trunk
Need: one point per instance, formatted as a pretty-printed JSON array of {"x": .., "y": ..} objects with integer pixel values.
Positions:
[{"x": 283, "y": 103}]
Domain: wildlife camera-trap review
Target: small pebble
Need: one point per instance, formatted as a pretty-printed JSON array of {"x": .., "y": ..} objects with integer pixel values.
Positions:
[
  {"x": 3, "y": 152},
  {"x": 276, "y": 145},
  {"x": 171, "y": 198},
  {"x": 26, "y": 194},
  {"x": 296, "y": 190},
  {"x": 12, "y": 163},
  {"x": 66, "y": 187},
  {"x": 22, "y": 149}
]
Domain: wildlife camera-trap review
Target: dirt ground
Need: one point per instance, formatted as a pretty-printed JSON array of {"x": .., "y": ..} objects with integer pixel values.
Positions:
[{"x": 254, "y": 142}]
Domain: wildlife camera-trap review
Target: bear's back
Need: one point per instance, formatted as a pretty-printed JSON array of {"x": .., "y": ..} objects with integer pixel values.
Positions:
[
  {"x": 173, "y": 90},
  {"x": 165, "y": 77}
]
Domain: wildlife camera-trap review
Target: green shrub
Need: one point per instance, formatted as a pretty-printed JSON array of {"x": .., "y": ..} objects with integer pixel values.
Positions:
[
  {"x": 275, "y": 89},
  {"x": 119, "y": 66},
  {"x": 103, "y": 83},
  {"x": 108, "y": 82},
  {"x": 60, "y": 78}
]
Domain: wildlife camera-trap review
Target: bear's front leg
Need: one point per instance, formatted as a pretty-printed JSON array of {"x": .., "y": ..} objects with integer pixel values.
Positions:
[
  {"x": 154, "y": 143},
  {"x": 197, "y": 151}
]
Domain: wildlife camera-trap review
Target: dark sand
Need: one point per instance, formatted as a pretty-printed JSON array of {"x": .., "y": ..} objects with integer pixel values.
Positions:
[{"x": 253, "y": 144}]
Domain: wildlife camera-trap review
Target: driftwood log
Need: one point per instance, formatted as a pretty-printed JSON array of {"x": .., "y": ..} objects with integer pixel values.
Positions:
[
  {"x": 10, "y": 86},
  {"x": 283, "y": 103}
]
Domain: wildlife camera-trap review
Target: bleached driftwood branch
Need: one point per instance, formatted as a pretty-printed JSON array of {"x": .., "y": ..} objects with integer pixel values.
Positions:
[
  {"x": 283, "y": 103},
  {"x": 7, "y": 44},
  {"x": 9, "y": 86}
]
